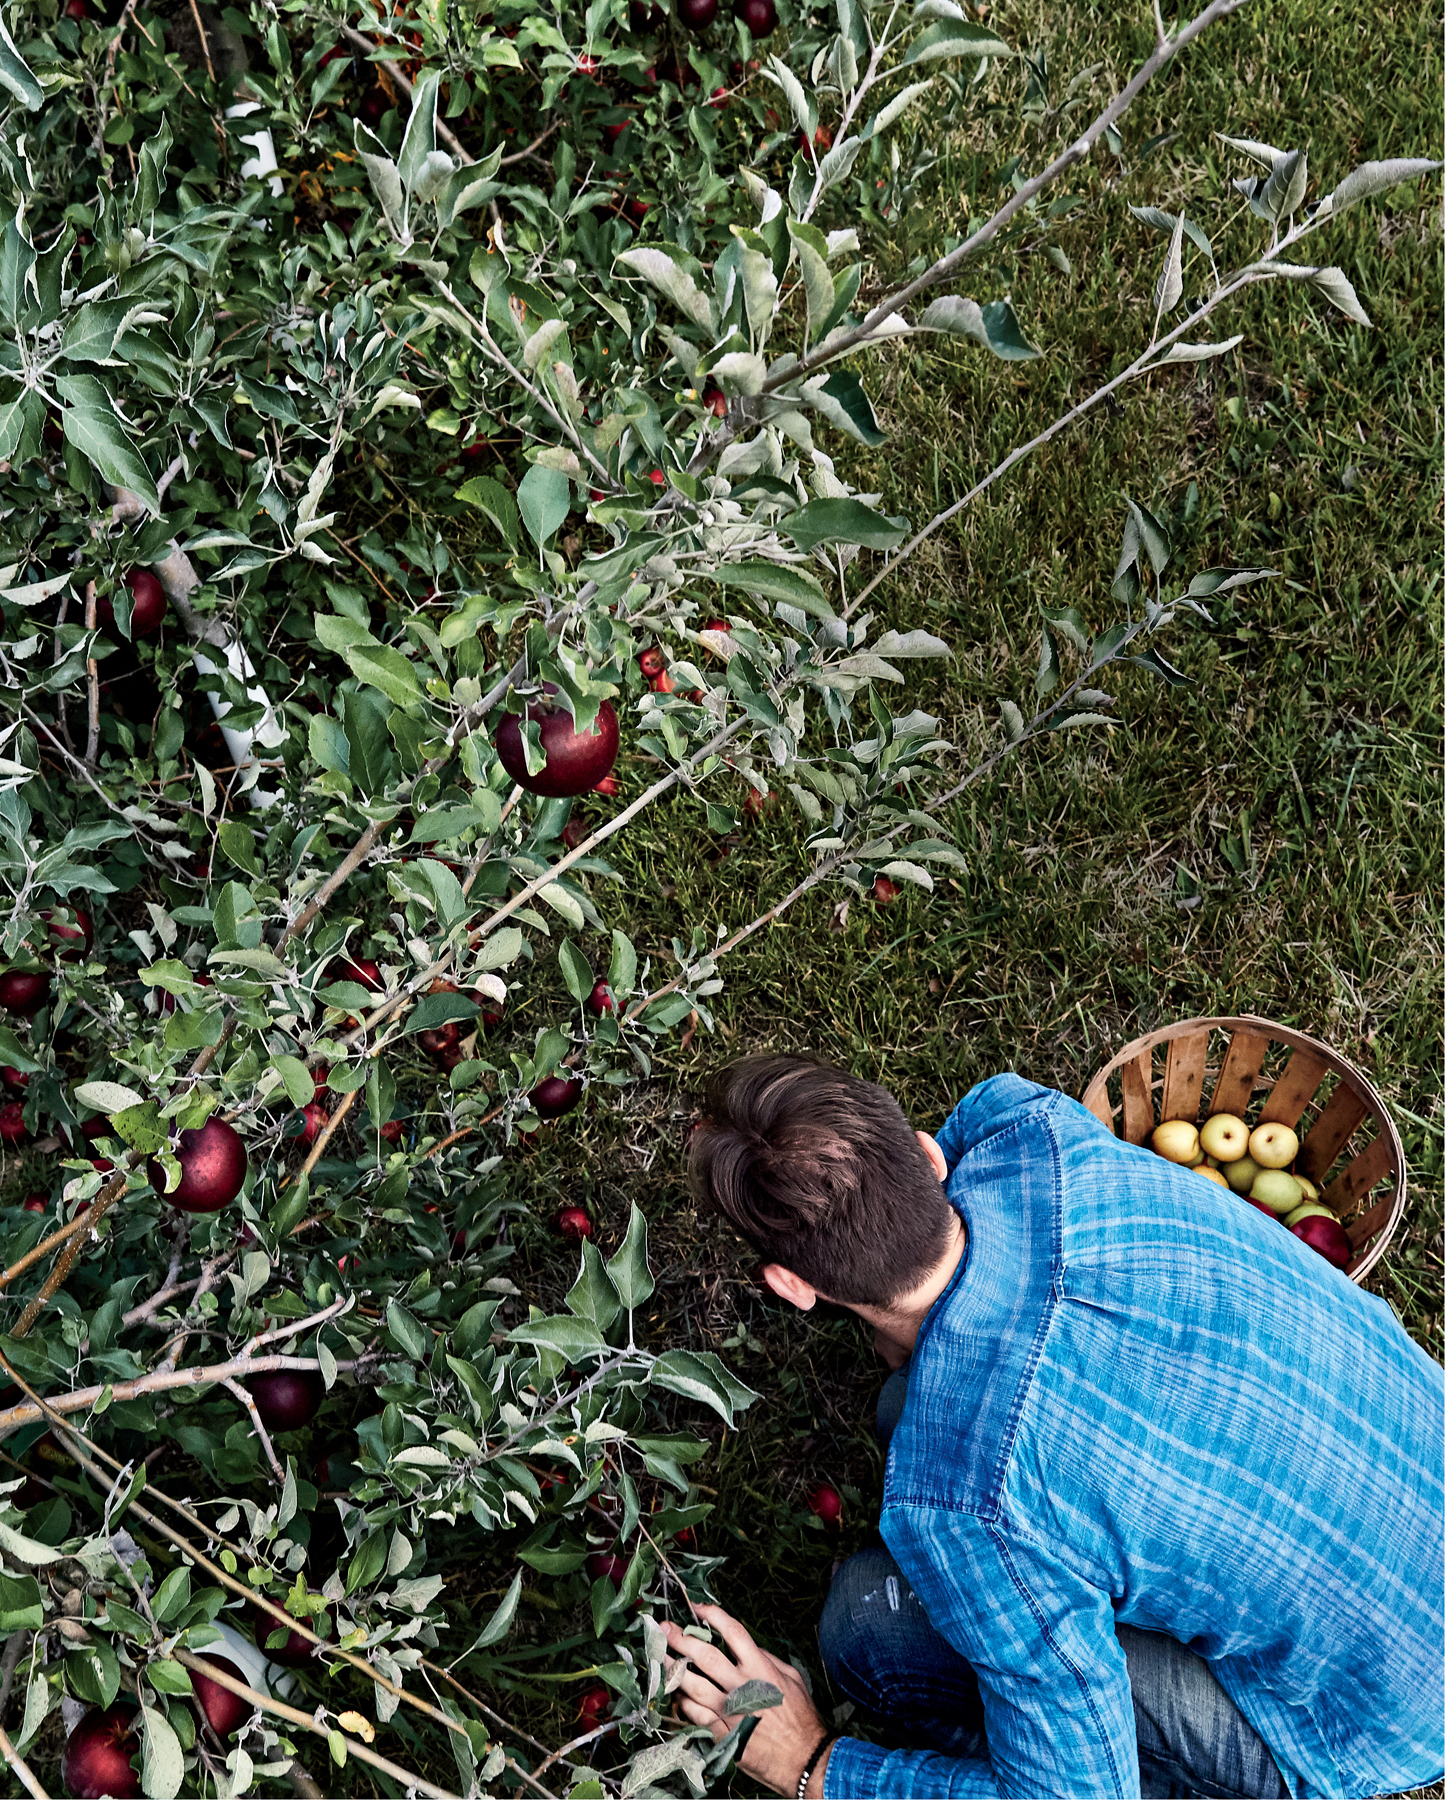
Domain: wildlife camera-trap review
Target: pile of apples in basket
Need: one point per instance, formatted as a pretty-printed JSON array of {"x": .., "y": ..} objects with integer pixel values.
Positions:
[{"x": 1255, "y": 1164}]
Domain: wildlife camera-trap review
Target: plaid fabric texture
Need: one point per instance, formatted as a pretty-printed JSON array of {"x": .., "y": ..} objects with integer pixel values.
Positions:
[{"x": 1142, "y": 1400}]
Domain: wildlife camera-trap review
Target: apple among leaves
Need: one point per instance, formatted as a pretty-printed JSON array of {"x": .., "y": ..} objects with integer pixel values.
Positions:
[
  {"x": 575, "y": 760},
  {"x": 287, "y": 1399},
  {"x": 225, "y": 1712},
  {"x": 213, "y": 1168},
  {"x": 97, "y": 1757}
]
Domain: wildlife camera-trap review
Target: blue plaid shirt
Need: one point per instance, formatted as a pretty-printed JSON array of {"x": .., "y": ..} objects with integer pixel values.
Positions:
[{"x": 1140, "y": 1400}]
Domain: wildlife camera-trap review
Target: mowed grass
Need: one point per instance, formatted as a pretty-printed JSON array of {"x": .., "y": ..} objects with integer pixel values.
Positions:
[{"x": 1266, "y": 840}]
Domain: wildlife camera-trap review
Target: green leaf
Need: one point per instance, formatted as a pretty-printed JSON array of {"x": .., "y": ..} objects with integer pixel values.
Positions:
[
  {"x": 843, "y": 522},
  {"x": 328, "y": 745},
  {"x": 173, "y": 1593},
  {"x": 753, "y": 1696},
  {"x": 672, "y": 281},
  {"x": 576, "y": 971},
  {"x": 1373, "y": 178},
  {"x": 592, "y": 1297},
  {"x": 444, "y": 822},
  {"x": 412, "y": 1339},
  {"x": 622, "y": 969},
  {"x": 142, "y": 1127},
  {"x": 90, "y": 424},
  {"x": 702, "y": 1376},
  {"x": 1285, "y": 188},
  {"x": 295, "y": 1078},
  {"x": 995, "y": 326},
  {"x": 421, "y": 129},
  {"x": 167, "y": 1676},
  {"x": 544, "y": 498},
  {"x": 21, "y": 1606},
  {"x": 1047, "y": 678},
  {"x": 439, "y": 1009},
  {"x": 1155, "y": 663},
  {"x": 15, "y": 75},
  {"x": 239, "y": 845},
  {"x": 628, "y": 1267},
  {"x": 500, "y": 1622},
  {"x": 772, "y": 581},
  {"x": 108, "y": 1096},
  {"x": 386, "y": 670},
  {"x": 843, "y": 402},
  {"x": 570, "y": 1336},
  {"x": 370, "y": 759},
  {"x": 492, "y": 498}
]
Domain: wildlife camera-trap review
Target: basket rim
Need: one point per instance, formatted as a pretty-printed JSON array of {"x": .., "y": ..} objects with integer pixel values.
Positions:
[{"x": 1297, "y": 1040}]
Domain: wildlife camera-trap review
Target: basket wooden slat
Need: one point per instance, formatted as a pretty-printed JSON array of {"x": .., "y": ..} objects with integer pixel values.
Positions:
[
  {"x": 1294, "y": 1089},
  {"x": 1184, "y": 1076},
  {"x": 1242, "y": 1063},
  {"x": 1368, "y": 1192},
  {"x": 1138, "y": 1100},
  {"x": 1352, "y": 1188},
  {"x": 1334, "y": 1128}
]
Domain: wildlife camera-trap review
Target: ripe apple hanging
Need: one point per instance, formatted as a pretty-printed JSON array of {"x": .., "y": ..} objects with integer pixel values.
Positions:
[
  {"x": 213, "y": 1168},
  {"x": 575, "y": 761}
]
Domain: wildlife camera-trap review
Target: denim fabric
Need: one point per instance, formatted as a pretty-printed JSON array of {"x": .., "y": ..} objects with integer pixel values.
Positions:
[{"x": 1141, "y": 1404}]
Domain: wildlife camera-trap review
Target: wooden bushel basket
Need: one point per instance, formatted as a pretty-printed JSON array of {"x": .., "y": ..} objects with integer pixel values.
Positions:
[{"x": 1349, "y": 1146}]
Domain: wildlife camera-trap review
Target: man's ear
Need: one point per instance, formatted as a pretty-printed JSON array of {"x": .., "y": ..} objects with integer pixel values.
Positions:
[
  {"x": 934, "y": 1152},
  {"x": 788, "y": 1286}
]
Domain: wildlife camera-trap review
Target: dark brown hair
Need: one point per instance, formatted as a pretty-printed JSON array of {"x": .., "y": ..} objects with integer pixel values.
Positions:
[{"x": 820, "y": 1171}]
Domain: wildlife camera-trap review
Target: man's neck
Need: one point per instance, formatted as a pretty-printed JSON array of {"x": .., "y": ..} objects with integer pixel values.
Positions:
[{"x": 903, "y": 1320}]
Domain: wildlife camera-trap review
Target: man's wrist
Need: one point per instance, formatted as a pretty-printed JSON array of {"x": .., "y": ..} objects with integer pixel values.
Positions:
[{"x": 810, "y": 1779}]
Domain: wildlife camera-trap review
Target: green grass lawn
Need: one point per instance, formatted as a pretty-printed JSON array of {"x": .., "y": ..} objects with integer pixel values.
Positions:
[{"x": 1266, "y": 840}]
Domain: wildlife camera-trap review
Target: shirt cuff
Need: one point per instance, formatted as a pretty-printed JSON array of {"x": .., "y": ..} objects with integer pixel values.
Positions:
[{"x": 853, "y": 1770}]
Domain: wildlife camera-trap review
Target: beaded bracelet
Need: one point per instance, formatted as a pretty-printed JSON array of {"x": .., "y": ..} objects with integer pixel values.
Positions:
[{"x": 811, "y": 1764}]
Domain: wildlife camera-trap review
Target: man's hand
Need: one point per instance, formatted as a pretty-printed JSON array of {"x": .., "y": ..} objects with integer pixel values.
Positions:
[{"x": 784, "y": 1736}]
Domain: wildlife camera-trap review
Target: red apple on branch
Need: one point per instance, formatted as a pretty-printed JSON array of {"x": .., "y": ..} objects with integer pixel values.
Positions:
[
  {"x": 360, "y": 969},
  {"x": 148, "y": 602},
  {"x": 650, "y": 661},
  {"x": 575, "y": 761},
  {"x": 296, "y": 1649},
  {"x": 600, "y": 1000},
  {"x": 593, "y": 1705},
  {"x": 37, "y": 1203},
  {"x": 15, "y": 1078},
  {"x": 287, "y": 1399},
  {"x": 313, "y": 1122},
  {"x": 23, "y": 991},
  {"x": 97, "y": 1756},
  {"x": 213, "y": 1168},
  {"x": 12, "y": 1123},
  {"x": 604, "y": 1562},
  {"x": 885, "y": 892},
  {"x": 556, "y": 1095},
  {"x": 760, "y": 16},
  {"x": 70, "y": 931},
  {"x": 573, "y": 1222},
  {"x": 224, "y": 1711},
  {"x": 609, "y": 786},
  {"x": 825, "y": 1503}
]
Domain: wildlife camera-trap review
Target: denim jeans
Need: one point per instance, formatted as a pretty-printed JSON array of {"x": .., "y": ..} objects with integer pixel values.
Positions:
[{"x": 881, "y": 1650}]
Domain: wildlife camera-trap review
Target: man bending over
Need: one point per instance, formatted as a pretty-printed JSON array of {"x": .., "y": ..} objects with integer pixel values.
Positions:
[{"x": 1162, "y": 1506}]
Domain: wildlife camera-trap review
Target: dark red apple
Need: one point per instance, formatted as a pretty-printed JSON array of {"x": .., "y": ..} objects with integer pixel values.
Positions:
[
  {"x": 70, "y": 931},
  {"x": 97, "y": 1755},
  {"x": 37, "y": 1203},
  {"x": 76, "y": 9},
  {"x": 15, "y": 1078},
  {"x": 313, "y": 1122},
  {"x": 575, "y": 761},
  {"x": 360, "y": 969},
  {"x": 287, "y": 1399},
  {"x": 760, "y": 16},
  {"x": 825, "y": 1502},
  {"x": 373, "y": 108},
  {"x": 148, "y": 602},
  {"x": 651, "y": 663},
  {"x": 885, "y": 892},
  {"x": 593, "y": 1705},
  {"x": 438, "y": 1041},
  {"x": 23, "y": 991},
  {"x": 686, "y": 1539},
  {"x": 296, "y": 1650},
  {"x": 213, "y": 1168},
  {"x": 12, "y": 1122},
  {"x": 556, "y": 1095},
  {"x": 600, "y": 1000},
  {"x": 714, "y": 399},
  {"x": 1327, "y": 1237},
  {"x": 572, "y": 1222},
  {"x": 609, "y": 786},
  {"x": 755, "y": 805},
  {"x": 696, "y": 15},
  {"x": 391, "y": 1132},
  {"x": 224, "y": 1711},
  {"x": 717, "y": 625},
  {"x": 603, "y": 1562}
]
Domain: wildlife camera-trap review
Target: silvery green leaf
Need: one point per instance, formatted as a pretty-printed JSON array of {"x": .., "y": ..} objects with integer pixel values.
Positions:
[
  {"x": 841, "y": 241},
  {"x": 420, "y": 139},
  {"x": 1059, "y": 258},
  {"x": 752, "y": 1696},
  {"x": 1169, "y": 288},
  {"x": 741, "y": 370},
  {"x": 1263, "y": 153},
  {"x": 1334, "y": 284},
  {"x": 36, "y": 591},
  {"x": 805, "y": 114},
  {"x": 1187, "y": 353},
  {"x": 163, "y": 1765},
  {"x": 25, "y": 1549},
  {"x": 900, "y": 102},
  {"x": 658, "y": 1761},
  {"x": 1285, "y": 188},
  {"x": 433, "y": 175},
  {"x": 900, "y": 870},
  {"x": 839, "y": 160},
  {"x": 951, "y": 37},
  {"x": 657, "y": 267},
  {"x": 994, "y": 325},
  {"x": 1084, "y": 718},
  {"x": 108, "y": 1096},
  {"x": 911, "y": 643},
  {"x": 542, "y": 340},
  {"x": 1373, "y": 178},
  {"x": 497, "y": 1755},
  {"x": 937, "y": 9},
  {"x": 1165, "y": 221},
  {"x": 812, "y": 251},
  {"x": 386, "y": 179},
  {"x": 760, "y": 289}
]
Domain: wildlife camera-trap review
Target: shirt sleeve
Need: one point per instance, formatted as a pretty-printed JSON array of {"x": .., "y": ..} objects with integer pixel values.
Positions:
[
  {"x": 1058, "y": 1708},
  {"x": 984, "y": 1109}
]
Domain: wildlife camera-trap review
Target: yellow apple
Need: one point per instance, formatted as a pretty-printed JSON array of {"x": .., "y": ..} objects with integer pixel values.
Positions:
[
  {"x": 1212, "y": 1175},
  {"x": 1273, "y": 1146},
  {"x": 1224, "y": 1136},
  {"x": 1240, "y": 1174},
  {"x": 1176, "y": 1140},
  {"x": 1276, "y": 1190}
]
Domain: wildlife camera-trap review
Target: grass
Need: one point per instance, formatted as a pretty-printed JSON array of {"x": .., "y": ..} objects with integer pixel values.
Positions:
[{"x": 1266, "y": 840}]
